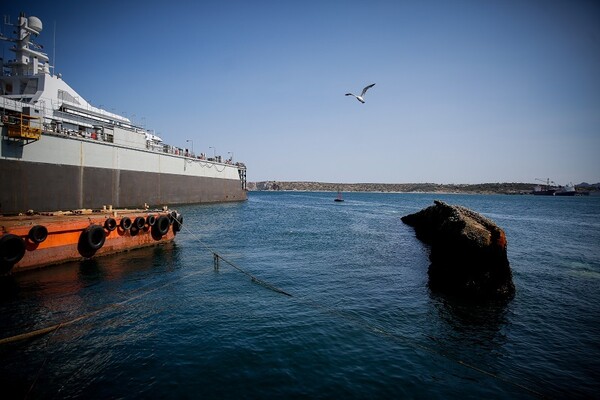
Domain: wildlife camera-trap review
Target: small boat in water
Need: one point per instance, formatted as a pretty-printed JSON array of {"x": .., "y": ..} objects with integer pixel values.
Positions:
[{"x": 339, "y": 197}]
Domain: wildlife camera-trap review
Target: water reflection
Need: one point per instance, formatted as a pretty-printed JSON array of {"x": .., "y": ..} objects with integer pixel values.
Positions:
[
  {"x": 75, "y": 275},
  {"x": 9, "y": 288},
  {"x": 474, "y": 327},
  {"x": 34, "y": 299}
]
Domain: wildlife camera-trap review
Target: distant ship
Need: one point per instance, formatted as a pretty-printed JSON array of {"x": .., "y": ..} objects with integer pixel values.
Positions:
[
  {"x": 550, "y": 189},
  {"x": 567, "y": 190},
  {"x": 58, "y": 152},
  {"x": 339, "y": 197}
]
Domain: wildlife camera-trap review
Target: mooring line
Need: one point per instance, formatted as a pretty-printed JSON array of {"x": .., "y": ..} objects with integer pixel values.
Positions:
[
  {"x": 52, "y": 328},
  {"x": 355, "y": 320},
  {"x": 378, "y": 330},
  {"x": 49, "y": 329},
  {"x": 362, "y": 323},
  {"x": 39, "y": 373},
  {"x": 217, "y": 257}
]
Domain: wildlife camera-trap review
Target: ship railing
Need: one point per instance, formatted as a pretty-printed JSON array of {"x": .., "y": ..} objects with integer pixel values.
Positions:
[
  {"x": 29, "y": 131},
  {"x": 23, "y": 127},
  {"x": 13, "y": 105}
]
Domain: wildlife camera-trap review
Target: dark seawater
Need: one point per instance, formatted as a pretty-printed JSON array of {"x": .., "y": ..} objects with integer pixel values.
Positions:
[{"x": 361, "y": 322}]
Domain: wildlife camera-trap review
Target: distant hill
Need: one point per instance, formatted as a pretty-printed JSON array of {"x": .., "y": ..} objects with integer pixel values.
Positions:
[
  {"x": 595, "y": 186},
  {"x": 482, "y": 188}
]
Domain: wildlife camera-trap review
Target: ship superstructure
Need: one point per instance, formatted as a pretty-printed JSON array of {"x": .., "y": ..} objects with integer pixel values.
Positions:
[
  {"x": 59, "y": 152},
  {"x": 551, "y": 189}
]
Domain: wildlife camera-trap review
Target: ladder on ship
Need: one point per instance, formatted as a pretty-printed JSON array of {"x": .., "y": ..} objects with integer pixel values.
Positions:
[{"x": 242, "y": 174}]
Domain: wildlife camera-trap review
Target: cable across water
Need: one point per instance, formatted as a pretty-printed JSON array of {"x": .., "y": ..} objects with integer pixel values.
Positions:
[
  {"x": 357, "y": 321},
  {"x": 365, "y": 325}
]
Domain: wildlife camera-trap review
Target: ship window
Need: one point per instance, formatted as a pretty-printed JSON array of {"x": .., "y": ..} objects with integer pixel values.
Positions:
[
  {"x": 9, "y": 88},
  {"x": 31, "y": 86},
  {"x": 67, "y": 97}
]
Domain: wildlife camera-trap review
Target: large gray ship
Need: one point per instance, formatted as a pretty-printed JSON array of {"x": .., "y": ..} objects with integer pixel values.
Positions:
[{"x": 58, "y": 152}]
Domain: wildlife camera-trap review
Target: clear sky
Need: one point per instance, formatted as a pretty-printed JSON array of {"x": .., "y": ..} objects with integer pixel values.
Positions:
[{"x": 466, "y": 91}]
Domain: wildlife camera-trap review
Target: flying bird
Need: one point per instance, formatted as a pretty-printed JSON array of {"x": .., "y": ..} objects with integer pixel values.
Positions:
[{"x": 360, "y": 98}]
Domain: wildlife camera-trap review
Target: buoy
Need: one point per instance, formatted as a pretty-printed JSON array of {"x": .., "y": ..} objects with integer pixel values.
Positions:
[
  {"x": 38, "y": 233},
  {"x": 12, "y": 250}
]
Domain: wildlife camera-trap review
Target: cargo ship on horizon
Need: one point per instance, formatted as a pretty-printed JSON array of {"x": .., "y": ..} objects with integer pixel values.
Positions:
[
  {"x": 550, "y": 189},
  {"x": 58, "y": 152}
]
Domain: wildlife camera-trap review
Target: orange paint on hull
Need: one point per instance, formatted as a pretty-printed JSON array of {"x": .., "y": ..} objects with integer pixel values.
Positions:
[{"x": 66, "y": 236}]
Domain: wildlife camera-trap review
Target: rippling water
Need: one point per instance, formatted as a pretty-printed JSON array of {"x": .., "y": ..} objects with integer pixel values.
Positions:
[{"x": 360, "y": 322}]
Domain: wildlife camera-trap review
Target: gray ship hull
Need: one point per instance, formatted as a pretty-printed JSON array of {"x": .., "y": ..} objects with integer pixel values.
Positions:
[
  {"x": 63, "y": 173},
  {"x": 46, "y": 187}
]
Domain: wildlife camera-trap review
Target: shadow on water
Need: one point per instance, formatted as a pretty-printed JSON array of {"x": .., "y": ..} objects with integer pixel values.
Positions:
[
  {"x": 9, "y": 288},
  {"x": 467, "y": 323},
  {"x": 91, "y": 271},
  {"x": 39, "y": 299},
  {"x": 72, "y": 277}
]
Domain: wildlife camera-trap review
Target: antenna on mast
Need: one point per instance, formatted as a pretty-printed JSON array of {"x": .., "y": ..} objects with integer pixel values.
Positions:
[{"x": 54, "y": 49}]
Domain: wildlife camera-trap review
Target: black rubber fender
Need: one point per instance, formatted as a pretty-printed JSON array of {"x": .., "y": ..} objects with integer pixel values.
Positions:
[
  {"x": 161, "y": 227},
  {"x": 93, "y": 237},
  {"x": 12, "y": 250},
  {"x": 177, "y": 223},
  {"x": 110, "y": 224},
  {"x": 138, "y": 223},
  {"x": 151, "y": 220},
  {"x": 125, "y": 223},
  {"x": 38, "y": 233}
]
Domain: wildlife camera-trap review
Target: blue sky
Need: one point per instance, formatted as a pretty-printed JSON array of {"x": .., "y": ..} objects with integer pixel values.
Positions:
[{"x": 466, "y": 91}]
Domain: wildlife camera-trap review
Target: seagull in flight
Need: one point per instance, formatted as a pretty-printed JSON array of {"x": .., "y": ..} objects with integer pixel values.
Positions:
[{"x": 360, "y": 98}]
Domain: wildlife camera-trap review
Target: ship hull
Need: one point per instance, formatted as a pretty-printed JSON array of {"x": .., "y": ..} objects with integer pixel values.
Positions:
[
  {"x": 44, "y": 187},
  {"x": 549, "y": 192},
  {"x": 61, "y": 173},
  {"x": 565, "y": 193}
]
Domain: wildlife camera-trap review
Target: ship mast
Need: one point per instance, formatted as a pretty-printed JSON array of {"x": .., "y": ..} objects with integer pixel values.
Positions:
[{"x": 28, "y": 61}]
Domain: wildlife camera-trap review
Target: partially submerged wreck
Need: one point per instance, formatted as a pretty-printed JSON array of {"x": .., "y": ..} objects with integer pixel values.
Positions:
[{"x": 468, "y": 252}]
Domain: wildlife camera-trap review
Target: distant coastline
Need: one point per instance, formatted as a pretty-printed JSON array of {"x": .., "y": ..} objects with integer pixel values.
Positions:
[{"x": 481, "y": 188}]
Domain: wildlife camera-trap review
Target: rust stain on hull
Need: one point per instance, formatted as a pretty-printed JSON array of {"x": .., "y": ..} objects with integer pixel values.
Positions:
[{"x": 71, "y": 237}]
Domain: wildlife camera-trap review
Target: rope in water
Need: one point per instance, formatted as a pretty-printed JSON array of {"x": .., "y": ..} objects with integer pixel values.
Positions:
[
  {"x": 49, "y": 329},
  {"x": 217, "y": 257},
  {"x": 362, "y": 323},
  {"x": 378, "y": 330}
]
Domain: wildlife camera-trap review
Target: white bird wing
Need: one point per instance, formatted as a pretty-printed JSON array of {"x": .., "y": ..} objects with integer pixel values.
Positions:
[{"x": 366, "y": 88}]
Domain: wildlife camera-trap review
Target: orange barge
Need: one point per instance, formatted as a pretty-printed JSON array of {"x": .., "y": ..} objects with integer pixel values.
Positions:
[{"x": 34, "y": 241}]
